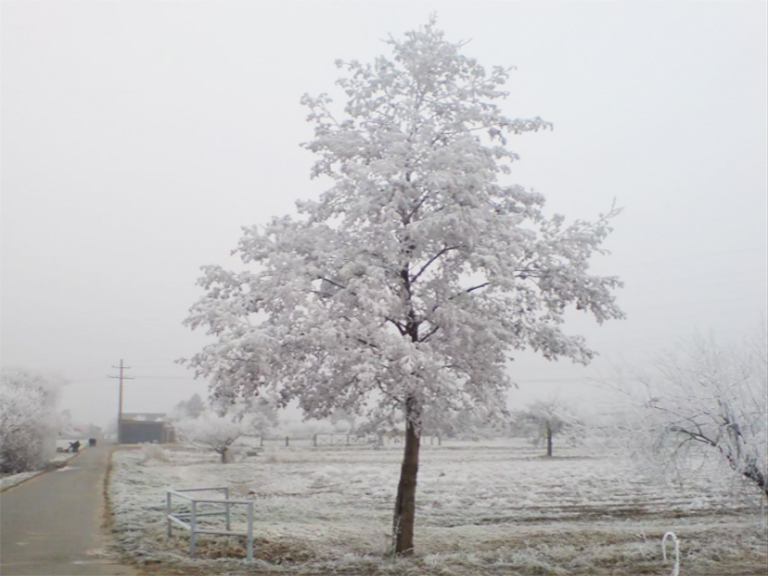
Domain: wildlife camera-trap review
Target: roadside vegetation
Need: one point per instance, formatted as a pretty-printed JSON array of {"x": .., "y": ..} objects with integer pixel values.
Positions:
[{"x": 28, "y": 420}]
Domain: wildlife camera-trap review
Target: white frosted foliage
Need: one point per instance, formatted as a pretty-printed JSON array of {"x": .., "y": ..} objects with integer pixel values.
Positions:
[
  {"x": 420, "y": 271},
  {"x": 217, "y": 432},
  {"x": 28, "y": 419}
]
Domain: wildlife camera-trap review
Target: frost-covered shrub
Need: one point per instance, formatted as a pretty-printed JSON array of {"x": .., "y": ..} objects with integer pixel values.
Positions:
[
  {"x": 27, "y": 421},
  {"x": 153, "y": 452}
]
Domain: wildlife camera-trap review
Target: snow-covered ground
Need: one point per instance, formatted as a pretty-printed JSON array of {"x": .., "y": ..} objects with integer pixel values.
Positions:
[{"x": 482, "y": 508}]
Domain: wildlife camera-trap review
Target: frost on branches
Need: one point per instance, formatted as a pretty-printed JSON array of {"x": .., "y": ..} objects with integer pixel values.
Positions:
[
  {"x": 214, "y": 431},
  {"x": 219, "y": 430},
  {"x": 406, "y": 286},
  {"x": 704, "y": 398},
  {"x": 28, "y": 419},
  {"x": 543, "y": 420}
]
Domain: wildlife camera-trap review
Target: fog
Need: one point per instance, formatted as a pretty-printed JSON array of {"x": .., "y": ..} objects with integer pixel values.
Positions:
[{"x": 138, "y": 138}]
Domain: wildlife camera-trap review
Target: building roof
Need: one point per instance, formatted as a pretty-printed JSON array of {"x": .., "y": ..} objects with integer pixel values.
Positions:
[{"x": 144, "y": 416}]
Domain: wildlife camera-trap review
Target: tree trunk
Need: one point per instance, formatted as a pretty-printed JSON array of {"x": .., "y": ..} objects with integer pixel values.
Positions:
[
  {"x": 549, "y": 441},
  {"x": 405, "y": 505},
  {"x": 753, "y": 473},
  {"x": 224, "y": 455}
]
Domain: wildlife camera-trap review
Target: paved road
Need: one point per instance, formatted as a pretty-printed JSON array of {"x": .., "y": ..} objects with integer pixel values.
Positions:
[{"x": 52, "y": 525}]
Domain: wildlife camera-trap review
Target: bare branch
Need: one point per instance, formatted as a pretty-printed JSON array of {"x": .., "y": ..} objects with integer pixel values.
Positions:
[{"x": 431, "y": 261}]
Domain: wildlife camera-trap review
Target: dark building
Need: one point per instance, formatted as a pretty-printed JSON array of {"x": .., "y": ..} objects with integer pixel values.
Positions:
[{"x": 148, "y": 427}]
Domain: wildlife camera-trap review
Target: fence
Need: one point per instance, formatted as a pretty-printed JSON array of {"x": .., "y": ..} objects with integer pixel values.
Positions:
[
  {"x": 319, "y": 440},
  {"x": 195, "y": 513}
]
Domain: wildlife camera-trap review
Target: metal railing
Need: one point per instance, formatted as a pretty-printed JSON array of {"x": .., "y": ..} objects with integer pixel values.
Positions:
[
  {"x": 195, "y": 513},
  {"x": 331, "y": 439}
]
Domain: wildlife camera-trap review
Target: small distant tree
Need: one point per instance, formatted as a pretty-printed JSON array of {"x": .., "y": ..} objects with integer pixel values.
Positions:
[
  {"x": 191, "y": 408},
  {"x": 339, "y": 416},
  {"x": 215, "y": 432},
  {"x": 229, "y": 420},
  {"x": 195, "y": 406},
  {"x": 543, "y": 420},
  {"x": 259, "y": 411},
  {"x": 705, "y": 398},
  {"x": 28, "y": 419},
  {"x": 409, "y": 283}
]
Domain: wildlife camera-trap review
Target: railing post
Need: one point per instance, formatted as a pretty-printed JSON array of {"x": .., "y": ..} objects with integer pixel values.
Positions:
[
  {"x": 250, "y": 531},
  {"x": 226, "y": 497},
  {"x": 192, "y": 529},
  {"x": 168, "y": 512}
]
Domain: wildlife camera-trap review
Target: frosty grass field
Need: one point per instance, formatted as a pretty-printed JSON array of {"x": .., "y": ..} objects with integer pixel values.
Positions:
[{"x": 493, "y": 507}]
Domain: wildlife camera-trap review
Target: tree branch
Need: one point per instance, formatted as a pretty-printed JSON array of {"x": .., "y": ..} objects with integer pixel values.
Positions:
[
  {"x": 431, "y": 261},
  {"x": 428, "y": 334},
  {"x": 332, "y": 282},
  {"x": 468, "y": 290}
]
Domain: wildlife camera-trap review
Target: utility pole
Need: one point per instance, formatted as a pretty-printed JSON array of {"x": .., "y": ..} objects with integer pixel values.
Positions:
[{"x": 120, "y": 401}]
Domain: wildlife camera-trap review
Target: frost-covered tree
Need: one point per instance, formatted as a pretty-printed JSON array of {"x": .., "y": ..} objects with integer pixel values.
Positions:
[
  {"x": 704, "y": 398},
  {"x": 412, "y": 279},
  {"x": 543, "y": 420},
  {"x": 191, "y": 408},
  {"x": 259, "y": 411},
  {"x": 343, "y": 420},
  {"x": 28, "y": 419},
  {"x": 217, "y": 432},
  {"x": 219, "y": 429}
]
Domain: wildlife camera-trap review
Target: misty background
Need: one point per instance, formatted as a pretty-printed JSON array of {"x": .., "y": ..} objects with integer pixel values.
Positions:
[{"x": 138, "y": 138}]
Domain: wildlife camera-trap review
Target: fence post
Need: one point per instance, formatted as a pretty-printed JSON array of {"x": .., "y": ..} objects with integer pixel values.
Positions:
[
  {"x": 439, "y": 440},
  {"x": 250, "y": 531},
  {"x": 192, "y": 530},
  {"x": 226, "y": 497},
  {"x": 168, "y": 512},
  {"x": 287, "y": 440}
]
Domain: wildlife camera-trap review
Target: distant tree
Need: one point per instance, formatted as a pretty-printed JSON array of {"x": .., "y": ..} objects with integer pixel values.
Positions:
[
  {"x": 409, "y": 283},
  {"x": 28, "y": 419},
  {"x": 259, "y": 411},
  {"x": 214, "y": 431},
  {"x": 339, "y": 416},
  {"x": 703, "y": 397},
  {"x": 543, "y": 420},
  {"x": 195, "y": 406},
  {"x": 191, "y": 408}
]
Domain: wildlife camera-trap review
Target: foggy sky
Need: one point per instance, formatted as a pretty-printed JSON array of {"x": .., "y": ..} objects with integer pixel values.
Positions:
[{"x": 137, "y": 139}]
